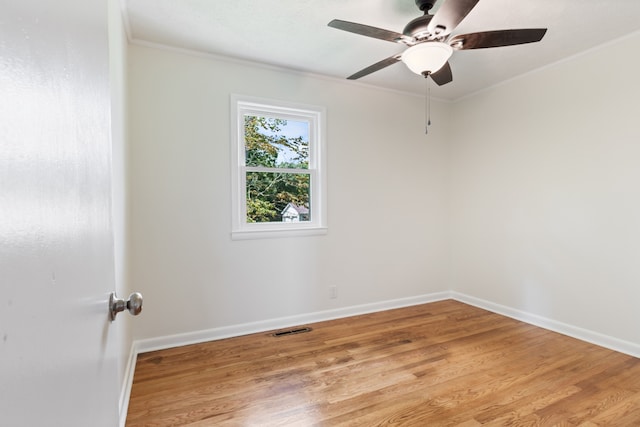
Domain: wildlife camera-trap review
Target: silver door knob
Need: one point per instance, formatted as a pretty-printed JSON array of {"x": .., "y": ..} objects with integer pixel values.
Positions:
[{"x": 133, "y": 304}]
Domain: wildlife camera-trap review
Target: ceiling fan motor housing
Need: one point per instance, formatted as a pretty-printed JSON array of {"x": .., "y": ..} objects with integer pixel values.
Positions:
[{"x": 417, "y": 28}]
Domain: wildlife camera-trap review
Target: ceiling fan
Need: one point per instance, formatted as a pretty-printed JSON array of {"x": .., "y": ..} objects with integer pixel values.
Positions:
[{"x": 429, "y": 40}]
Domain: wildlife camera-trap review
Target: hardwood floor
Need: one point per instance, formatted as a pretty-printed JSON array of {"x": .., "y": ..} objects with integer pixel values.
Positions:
[{"x": 438, "y": 364}]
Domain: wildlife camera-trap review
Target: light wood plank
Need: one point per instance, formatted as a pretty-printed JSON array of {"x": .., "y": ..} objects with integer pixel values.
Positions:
[{"x": 438, "y": 364}]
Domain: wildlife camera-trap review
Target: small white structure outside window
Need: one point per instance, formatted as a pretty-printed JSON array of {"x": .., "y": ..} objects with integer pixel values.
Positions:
[
  {"x": 278, "y": 177},
  {"x": 295, "y": 213}
]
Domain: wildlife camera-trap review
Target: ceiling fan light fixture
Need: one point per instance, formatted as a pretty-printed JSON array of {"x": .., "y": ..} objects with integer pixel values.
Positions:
[{"x": 427, "y": 57}]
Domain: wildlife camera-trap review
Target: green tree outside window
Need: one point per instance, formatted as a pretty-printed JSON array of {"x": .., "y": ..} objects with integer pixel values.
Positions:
[{"x": 277, "y": 163}]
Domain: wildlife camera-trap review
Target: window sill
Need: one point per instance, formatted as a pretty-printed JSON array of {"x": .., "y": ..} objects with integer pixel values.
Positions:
[{"x": 275, "y": 233}]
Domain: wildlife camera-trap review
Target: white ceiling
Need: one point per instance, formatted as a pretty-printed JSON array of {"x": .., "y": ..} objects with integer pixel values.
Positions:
[{"x": 294, "y": 34}]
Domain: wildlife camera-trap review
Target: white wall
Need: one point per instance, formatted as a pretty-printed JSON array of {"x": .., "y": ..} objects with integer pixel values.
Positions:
[
  {"x": 381, "y": 167},
  {"x": 545, "y": 195}
]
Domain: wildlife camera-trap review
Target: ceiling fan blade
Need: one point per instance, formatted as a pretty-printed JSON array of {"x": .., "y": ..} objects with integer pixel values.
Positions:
[
  {"x": 450, "y": 14},
  {"x": 443, "y": 75},
  {"x": 366, "y": 30},
  {"x": 497, "y": 38},
  {"x": 375, "y": 67}
]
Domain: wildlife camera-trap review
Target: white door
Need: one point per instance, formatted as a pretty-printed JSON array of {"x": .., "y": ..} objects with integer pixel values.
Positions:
[{"x": 57, "y": 349}]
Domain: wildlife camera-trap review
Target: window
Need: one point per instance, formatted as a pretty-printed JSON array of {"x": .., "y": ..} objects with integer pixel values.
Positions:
[{"x": 278, "y": 180}]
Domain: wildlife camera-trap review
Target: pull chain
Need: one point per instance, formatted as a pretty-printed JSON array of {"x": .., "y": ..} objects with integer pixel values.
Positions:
[{"x": 427, "y": 106}]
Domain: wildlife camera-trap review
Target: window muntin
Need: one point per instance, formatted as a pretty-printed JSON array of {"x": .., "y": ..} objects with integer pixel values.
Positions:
[{"x": 278, "y": 178}]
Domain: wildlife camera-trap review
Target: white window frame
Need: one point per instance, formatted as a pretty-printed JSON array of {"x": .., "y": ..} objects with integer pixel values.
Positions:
[{"x": 245, "y": 105}]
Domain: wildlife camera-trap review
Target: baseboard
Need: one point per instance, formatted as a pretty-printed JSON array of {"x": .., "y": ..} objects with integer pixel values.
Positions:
[
  {"x": 125, "y": 393},
  {"x": 592, "y": 337},
  {"x": 178, "y": 340}
]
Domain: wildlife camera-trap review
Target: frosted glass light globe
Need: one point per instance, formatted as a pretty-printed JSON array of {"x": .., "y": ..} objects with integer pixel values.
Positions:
[{"x": 427, "y": 57}]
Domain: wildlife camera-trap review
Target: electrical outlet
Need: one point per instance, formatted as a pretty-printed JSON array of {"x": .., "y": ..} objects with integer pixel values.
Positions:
[{"x": 333, "y": 292}]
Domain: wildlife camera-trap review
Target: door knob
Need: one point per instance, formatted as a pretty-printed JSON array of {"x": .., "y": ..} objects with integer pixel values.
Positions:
[{"x": 133, "y": 304}]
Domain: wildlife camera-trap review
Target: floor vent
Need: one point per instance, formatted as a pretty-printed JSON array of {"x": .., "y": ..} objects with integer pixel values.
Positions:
[{"x": 291, "y": 332}]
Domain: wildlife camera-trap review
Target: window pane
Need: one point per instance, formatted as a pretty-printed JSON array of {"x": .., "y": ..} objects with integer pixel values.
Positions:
[
  {"x": 278, "y": 197},
  {"x": 271, "y": 142}
]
